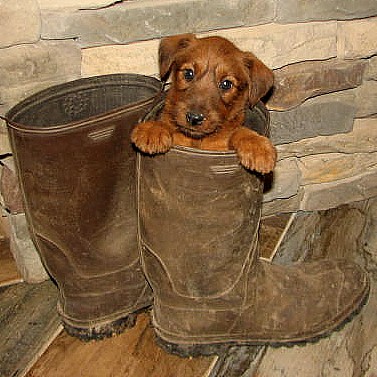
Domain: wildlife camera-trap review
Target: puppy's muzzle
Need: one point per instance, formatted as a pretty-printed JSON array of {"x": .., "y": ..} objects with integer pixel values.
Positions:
[{"x": 194, "y": 119}]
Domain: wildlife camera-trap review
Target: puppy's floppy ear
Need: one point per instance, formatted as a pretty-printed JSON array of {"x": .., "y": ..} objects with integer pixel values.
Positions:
[
  {"x": 168, "y": 49},
  {"x": 261, "y": 78}
]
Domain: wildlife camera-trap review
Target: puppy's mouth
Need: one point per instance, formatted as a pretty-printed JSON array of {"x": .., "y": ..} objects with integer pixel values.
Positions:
[{"x": 195, "y": 133}]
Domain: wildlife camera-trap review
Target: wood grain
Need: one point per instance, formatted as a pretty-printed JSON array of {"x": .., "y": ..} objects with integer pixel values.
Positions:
[
  {"x": 133, "y": 353},
  {"x": 28, "y": 321},
  {"x": 8, "y": 271}
]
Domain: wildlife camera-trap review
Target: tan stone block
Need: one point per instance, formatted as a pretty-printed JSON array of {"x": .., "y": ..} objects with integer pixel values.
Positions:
[
  {"x": 74, "y": 4},
  {"x": 371, "y": 71},
  {"x": 139, "y": 58},
  {"x": 20, "y": 22},
  {"x": 357, "y": 39},
  {"x": 323, "y": 168},
  {"x": 279, "y": 45}
]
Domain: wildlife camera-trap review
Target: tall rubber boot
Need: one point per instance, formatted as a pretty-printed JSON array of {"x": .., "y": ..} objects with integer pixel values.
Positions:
[
  {"x": 199, "y": 215},
  {"x": 76, "y": 169}
]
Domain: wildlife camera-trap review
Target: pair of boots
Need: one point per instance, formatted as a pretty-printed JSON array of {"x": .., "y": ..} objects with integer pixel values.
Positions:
[{"x": 111, "y": 224}]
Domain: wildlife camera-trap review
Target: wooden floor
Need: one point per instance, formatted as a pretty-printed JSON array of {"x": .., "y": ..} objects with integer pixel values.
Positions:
[
  {"x": 35, "y": 345},
  {"x": 133, "y": 353}
]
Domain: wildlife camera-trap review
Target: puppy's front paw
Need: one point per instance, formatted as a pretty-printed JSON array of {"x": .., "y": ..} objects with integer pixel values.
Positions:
[
  {"x": 152, "y": 137},
  {"x": 255, "y": 152}
]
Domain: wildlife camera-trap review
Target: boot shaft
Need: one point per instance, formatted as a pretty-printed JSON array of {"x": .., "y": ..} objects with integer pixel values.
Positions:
[
  {"x": 76, "y": 168},
  {"x": 207, "y": 206}
]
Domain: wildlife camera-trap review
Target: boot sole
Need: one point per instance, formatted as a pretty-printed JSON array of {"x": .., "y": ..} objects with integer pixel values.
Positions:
[
  {"x": 103, "y": 330},
  {"x": 210, "y": 349}
]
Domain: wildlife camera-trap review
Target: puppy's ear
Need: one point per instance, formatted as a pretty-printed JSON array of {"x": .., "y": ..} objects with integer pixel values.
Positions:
[
  {"x": 168, "y": 49},
  {"x": 261, "y": 78}
]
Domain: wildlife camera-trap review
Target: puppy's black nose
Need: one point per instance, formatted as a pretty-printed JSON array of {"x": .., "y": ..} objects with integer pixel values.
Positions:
[{"x": 194, "y": 119}]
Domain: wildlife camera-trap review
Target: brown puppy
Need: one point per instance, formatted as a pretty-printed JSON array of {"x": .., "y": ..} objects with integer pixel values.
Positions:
[{"x": 213, "y": 83}]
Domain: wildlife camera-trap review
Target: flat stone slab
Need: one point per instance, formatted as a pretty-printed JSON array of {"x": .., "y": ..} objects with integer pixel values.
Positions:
[{"x": 325, "y": 115}]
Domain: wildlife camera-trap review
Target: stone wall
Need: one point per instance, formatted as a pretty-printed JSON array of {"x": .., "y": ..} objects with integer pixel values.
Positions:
[{"x": 323, "y": 107}]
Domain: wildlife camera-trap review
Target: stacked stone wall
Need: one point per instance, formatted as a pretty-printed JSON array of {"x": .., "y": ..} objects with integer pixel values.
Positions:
[{"x": 323, "y": 107}]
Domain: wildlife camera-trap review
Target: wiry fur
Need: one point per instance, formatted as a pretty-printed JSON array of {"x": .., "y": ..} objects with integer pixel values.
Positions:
[{"x": 225, "y": 82}]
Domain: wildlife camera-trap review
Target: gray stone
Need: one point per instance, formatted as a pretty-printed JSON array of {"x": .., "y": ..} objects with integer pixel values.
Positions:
[
  {"x": 286, "y": 180},
  {"x": 362, "y": 139},
  {"x": 325, "y": 115},
  {"x": 366, "y": 98},
  {"x": 27, "y": 69},
  {"x": 297, "y": 82},
  {"x": 370, "y": 236},
  {"x": 24, "y": 252},
  {"x": 357, "y": 39},
  {"x": 333, "y": 194},
  {"x": 9, "y": 187},
  {"x": 43, "y": 61},
  {"x": 20, "y": 22},
  {"x": 279, "y": 206},
  {"x": 134, "y": 21},
  {"x": 289, "y": 11}
]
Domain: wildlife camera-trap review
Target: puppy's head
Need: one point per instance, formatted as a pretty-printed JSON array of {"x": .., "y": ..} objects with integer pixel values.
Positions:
[{"x": 213, "y": 82}]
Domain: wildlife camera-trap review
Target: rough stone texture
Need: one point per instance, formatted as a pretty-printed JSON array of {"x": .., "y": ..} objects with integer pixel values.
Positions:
[
  {"x": 297, "y": 82},
  {"x": 268, "y": 42},
  {"x": 357, "y": 39},
  {"x": 370, "y": 236},
  {"x": 366, "y": 97},
  {"x": 371, "y": 71},
  {"x": 24, "y": 252},
  {"x": 332, "y": 167},
  {"x": 325, "y": 115},
  {"x": 40, "y": 62},
  {"x": 362, "y": 139},
  {"x": 300, "y": 10},
  {"x": 313, "y": 168},
  {"x": 286, "y": 180},
  {"x": 333, "y": 194},
  {"x": 139, "y": 58},
  {"x": 20, "y": 22},
  {"x": 279, "y": 206},
  {"x": 75, "y": 4},
  {"x": 312, "y": 41},
  {"x": 26, "y": 69},
  {"x": 148, "y": 20},
  {"x": 9, "y": 188}
]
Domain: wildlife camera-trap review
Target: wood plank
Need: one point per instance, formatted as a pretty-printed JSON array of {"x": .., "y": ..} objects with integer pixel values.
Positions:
[
  {"x": 133, "y": 353},
  {"x": 8, "y": 270},
  {"x": 28, "y": 321}
]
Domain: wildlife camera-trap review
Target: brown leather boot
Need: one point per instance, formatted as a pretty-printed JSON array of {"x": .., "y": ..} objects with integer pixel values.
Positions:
[
  {"x": 199, "y": 215},
  {"x": 76, "y": 168}
]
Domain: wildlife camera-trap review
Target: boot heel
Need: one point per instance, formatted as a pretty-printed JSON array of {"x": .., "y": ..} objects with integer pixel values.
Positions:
[
  {"x": 99, "y": 332},
  {"x": 193, "y": 350}
]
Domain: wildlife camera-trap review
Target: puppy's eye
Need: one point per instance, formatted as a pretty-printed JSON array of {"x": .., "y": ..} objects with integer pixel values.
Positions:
[
  {"x": 188, "y": 74},
  {"x": 225, "y": 85}
]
